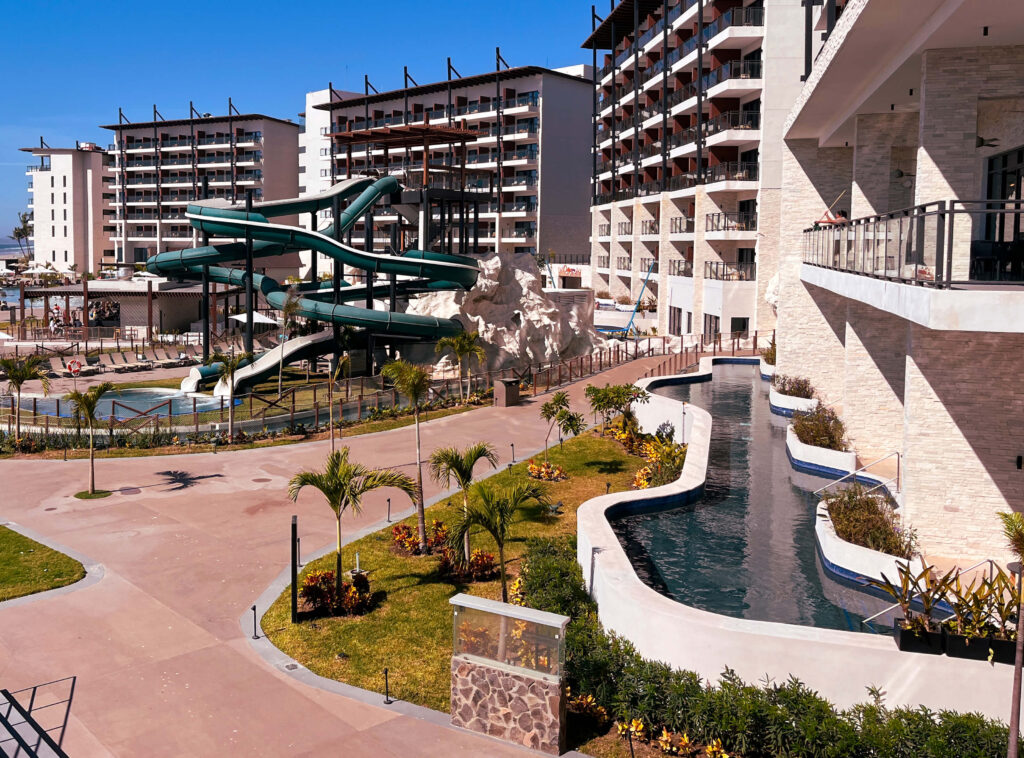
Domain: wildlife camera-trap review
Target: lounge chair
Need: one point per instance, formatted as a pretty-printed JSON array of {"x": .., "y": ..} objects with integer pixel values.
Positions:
[
  {"x": 87, "y": 369},
  {"x": 165, "y": 360},
  {"x": 57, "y": 367},
  {"x": 106, "y": 362},
  {"x": 132, "y": 364}
]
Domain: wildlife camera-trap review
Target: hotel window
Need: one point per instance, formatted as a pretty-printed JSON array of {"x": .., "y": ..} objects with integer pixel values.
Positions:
[
  {"x": 65, "y": 214},
  {"x": 63, "y": 181}
]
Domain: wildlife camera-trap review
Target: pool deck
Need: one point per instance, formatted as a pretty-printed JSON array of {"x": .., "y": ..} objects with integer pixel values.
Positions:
[{"x": 187, "y": 544}]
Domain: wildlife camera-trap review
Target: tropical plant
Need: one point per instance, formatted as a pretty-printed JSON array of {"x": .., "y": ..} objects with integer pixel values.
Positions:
[
  {"x": 465, "y": 346},
  {"x": 227, "y": 365},
  {"x": 450, "y": 465},
  {"x": 821, "y": 427},
  {"x": 494, "y": 512},
  {"x": 344, "y": 484},
  {"x": 868, "y": 519},
  {"x": 614, "y": 400},
  {"x": 414, "y": 382},
  {"x": 22, "y": 232},
  {"x": 1013, "y": 530},
  {"x": 83, "y": 406},
  {"x": 922, "y": 587},
  {"x": 550, "y": 410},
  {"x": 793, "y": 386},
  {"x": 289, "y": 308},
  {"x": 768, "y": 353},
  {"x": 19, "y": 371}
]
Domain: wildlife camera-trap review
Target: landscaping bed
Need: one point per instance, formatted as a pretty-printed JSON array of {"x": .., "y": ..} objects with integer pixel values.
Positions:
[
  {"x": 410, "y": 629},
  {"x": 27, "y": 567}
]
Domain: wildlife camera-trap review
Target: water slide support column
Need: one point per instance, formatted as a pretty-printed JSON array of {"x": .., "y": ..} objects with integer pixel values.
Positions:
[
  {"x": 336, "y": 279},
  {"x": 206, "y": 285},
  {"x": 248, "y": 277}
]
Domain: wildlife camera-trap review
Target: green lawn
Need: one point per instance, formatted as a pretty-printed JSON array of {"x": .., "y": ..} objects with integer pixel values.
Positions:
[
  {"x": 410, "y": 633},
  {"x": 26, "y": 567}
]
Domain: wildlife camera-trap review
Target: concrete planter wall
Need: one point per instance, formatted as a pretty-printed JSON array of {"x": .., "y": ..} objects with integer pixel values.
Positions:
[
  {"x": 839, "y": 665},
  {"x": 855, "y": 562},
  {"x": 818, "y": 460},
  {"x": 767, "y": 370},
  {"x": 787, "y": 405}
]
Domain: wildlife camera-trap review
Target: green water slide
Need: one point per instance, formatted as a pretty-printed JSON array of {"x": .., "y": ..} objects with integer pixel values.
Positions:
[{"x": 424, "y": 271}]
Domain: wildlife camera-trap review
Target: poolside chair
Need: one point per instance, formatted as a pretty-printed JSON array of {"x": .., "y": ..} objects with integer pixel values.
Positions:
[
  {"x": 57, "y": 367},
  {"x": 87, "y": 369},
  {"x": 106, "y": 362},
  {"x": 165, "y": 360},
  {"x": 132, "y": 364}
]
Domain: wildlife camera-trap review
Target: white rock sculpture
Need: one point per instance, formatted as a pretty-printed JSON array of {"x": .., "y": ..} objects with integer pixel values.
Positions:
[
  {"x": 519, "y": 323},
  {"x": 771, "y": 292}
]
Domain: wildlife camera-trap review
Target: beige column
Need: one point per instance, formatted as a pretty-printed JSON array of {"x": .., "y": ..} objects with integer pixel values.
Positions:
[{"x": 885, "y": 144}]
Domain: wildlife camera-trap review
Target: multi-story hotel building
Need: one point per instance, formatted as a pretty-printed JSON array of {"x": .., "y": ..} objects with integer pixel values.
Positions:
[
  {"x": 690, "y": 97},
  {"x": 65, "y": 198},
  {"x": 528, "y": 153},
  {"x": 909, "y": 319},
  {"x": 156, "y": 168}
]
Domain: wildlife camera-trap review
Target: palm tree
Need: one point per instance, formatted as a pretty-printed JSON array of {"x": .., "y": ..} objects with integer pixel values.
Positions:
[
  {"x": 227, "y": 366},
  {"x": 341, "y": 367},
  {"x": 83, "y": 405},
  {"x": 449, "y": 464},
  {"x": 288, "y": 310},
  {"x": 1013, "y": 530},
  {"x": 343, "y": 484},
  {"x": 23, "y": 231},
  {"x": 549, "y": 411},
  {"x": 414, "y": 382},
  {"x": 464, "y": 345},
  {"x": 495, "y": 512},
  {"x": 19, "y": 371}
]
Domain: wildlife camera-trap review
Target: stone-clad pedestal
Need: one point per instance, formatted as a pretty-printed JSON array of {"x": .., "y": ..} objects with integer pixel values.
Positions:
[{"x": 508, "y": 704}]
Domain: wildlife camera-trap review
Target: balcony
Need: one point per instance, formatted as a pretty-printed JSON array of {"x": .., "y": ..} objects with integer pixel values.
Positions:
[
  {"x": 529, "y": 153},
  {"x": 648, "y": 265},
  {"x": 731, "y": 222},
  {"x": 730, "y": 272},
  {"x": 603, "y": 262},
  {"x": 623, "y": 265},
  {"x": 649, "y": 227},
  {"x": 38, "y": 167},
  {"x": 680, "y": 225},
  {"x": 680, "y": 268},
  {"x": 624, "y": 228},
  {"x": 604, "y": 230},
  {"x": 731, "y": 172}
]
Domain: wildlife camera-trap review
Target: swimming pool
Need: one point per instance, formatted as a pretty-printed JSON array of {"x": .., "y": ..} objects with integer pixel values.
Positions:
[
  {"x": 746, "y": 548},
  {"x": 126, "y": 403}
]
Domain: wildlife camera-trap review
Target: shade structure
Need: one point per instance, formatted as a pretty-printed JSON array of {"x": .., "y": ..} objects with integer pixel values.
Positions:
[{"x": 257, "y": 318}]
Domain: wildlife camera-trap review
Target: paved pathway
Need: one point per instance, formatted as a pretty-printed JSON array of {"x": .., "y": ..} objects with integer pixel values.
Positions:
[{"x": 188, "y": 542}]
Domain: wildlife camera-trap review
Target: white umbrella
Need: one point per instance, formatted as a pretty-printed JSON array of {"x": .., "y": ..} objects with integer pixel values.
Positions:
[
  {"x": 257, "y": 318},
  {"x": 5, "y": 336},
  {"x": 38, "y": 270}
]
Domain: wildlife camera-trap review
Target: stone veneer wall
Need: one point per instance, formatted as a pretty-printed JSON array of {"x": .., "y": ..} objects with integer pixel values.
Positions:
[
  {"x": 511, "y": 706},
  {"x": 964, "y": 415},
  {"x": 882, "y": 140}
]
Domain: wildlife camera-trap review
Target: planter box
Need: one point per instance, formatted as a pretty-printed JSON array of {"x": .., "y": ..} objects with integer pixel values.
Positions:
[
  {"x": 819, "y": 460},
  {"x": 971, "y": 648},
  {"x": 929, "y": 643},
  {"x": 856, "y": 562},
  {"x": 787, "y": 405},
  {"x": 1003, "y": 651},
  {"x": 767, "y": 369}
]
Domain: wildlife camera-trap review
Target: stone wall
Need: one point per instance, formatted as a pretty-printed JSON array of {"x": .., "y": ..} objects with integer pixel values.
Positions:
[
  {"x": 511, "y": 706},
  {"x": 884, "y": 142}
]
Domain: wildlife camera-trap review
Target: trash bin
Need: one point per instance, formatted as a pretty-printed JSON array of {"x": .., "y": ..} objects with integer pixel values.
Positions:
[{"x": 506, "y": 392}]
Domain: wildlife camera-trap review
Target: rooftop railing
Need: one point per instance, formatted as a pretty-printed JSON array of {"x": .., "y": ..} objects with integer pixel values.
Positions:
[{"x": 940, "y": 244}]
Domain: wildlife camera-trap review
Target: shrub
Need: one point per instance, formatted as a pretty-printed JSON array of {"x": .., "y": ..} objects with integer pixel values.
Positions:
[
  {"x": 768, "y": 353},
  {"x": 794, "y": 386},
  {"x": 624, "y": 300},
  {"x": 482, "y": 565},
  {"x": 552, "y": 579},
  {"x": 408, "y": 541},
  {"x": 822, "y": 427},
  {"x": 603, "y": 294},
  {"x": 318, "y": 590},
  {"x": 868, "y": 520},
  {"x": 546, "y": 472}
]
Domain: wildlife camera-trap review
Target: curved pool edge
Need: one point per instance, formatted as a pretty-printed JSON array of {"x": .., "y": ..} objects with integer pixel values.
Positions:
[{"x": 838, "y": 664}]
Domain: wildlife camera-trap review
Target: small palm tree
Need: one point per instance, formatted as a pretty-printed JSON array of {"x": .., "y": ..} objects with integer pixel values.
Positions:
[
  {"x": 495, "y": 512},
  {"x": 414, "y": 382},
  {"x": 23, "y": 231},
  {"x": 289, "y": 308},
  {"x": 464, "y": 345},
  {"x": 341, "y": 368},
  {"x": 227, "y": 366},
  {"x": 83, "y": 405},
  {"x": 449, "y": 464},
  {"x": 19, "y": 371},
  {"x": 549, "y": 411},
  {"x": 1013, "y": 530},
  {"x": 343, "y": 484}
]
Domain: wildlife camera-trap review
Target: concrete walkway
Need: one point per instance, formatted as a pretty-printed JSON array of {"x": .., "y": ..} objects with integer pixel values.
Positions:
[{"x": 187, "y": 543}]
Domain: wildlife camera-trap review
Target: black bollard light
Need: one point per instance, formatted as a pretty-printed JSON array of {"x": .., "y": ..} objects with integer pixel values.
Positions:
[
  {"x": 255, "y": 636},
  {"x": 513, "y": 446},
  {"x": 607, "y": 487},
  {"x": 387, "y": 690},
  {"x": 389, "y": 510}
]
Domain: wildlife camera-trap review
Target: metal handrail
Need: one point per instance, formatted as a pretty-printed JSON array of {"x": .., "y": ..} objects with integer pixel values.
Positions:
[{"x": 865, "y": 467}]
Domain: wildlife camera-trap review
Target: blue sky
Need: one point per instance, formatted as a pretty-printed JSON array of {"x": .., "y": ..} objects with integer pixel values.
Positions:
[{"x": 68, "y": 66}]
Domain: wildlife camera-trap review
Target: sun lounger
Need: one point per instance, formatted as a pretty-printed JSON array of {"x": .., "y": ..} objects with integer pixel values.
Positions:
[{"x": 131, "y": 364}]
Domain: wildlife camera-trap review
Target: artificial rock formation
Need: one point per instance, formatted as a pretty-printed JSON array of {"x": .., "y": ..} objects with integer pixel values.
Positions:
[
  {"x": 518, "y": 708},
  {"x": 519, "y": 323}
]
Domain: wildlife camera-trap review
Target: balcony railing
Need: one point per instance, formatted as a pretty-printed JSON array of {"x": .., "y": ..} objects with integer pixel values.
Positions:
[
  {"x": 940, "y": 244},
  {"x": 648, "y": 264},
  {"x": 564, "y": 259},
  {"x": 625, "y": 228},
  {"x": 604, "y": 230},
  {"x": 38, "y": 167},
  {"x": 622, "y": 263},
  {"x": 730, "y": 222},
  {"x": 649, "y": 226},
  {"x": 732, "y": 172},
  {"x": 730, "y": 272},
  {"x": 680, "y": 268},
  {"x": 603, "y": 261},
  {"x": 680, "y": 225},
  {"x": 673, "y": 13}
]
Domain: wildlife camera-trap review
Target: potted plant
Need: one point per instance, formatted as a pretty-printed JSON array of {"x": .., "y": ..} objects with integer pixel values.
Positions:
[
  {"x": 968, "y": 633},
  {"x": 1004, "y": 610},
  {"x": 915, "y": 632}
]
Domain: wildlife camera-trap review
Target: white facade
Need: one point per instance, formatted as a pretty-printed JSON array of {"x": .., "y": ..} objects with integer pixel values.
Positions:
[
  {"x": 540, "y": 200},
  {"x": 704, "y": 249},
  {"x": 65, "y": 189}
]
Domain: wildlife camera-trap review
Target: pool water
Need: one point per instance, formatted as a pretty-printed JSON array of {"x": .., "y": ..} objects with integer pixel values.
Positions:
[
  {"x": 747, "y": 547},
  {"x": 129, "y": 402}
]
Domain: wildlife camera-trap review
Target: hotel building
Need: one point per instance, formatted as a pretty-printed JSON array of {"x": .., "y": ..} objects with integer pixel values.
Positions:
[
  {"x": 689, "y": 101},
  {"x": 909, "y": 319},
  {"x": 528, "y": 155},
  {"x": 65, "y": 198},
  {"x": 155, "y": 168}
]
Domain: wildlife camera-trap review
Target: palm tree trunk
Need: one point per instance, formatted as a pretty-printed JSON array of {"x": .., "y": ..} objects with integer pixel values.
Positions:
[
  {"x": 330, "y": 412},
  {"x": 337, "y": 564},
  {"x": 92, "y": 463},
  {"x": 462, "y": 395},
  {"x": 280, "y": 374},
  {"x": 465, "y": 510},
  {"x": 501, "y": 564},
  {"x": 231, "y": 409},
  {"x": 421, "y": 518},
  {"x": 17, "y": 413}
]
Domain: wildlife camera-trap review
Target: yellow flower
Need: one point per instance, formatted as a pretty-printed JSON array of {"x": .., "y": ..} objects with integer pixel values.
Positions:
[{"x": 714, "y": 749}]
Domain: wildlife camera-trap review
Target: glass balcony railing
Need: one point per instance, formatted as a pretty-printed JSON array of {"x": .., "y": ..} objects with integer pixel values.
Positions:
[
  {"x": 732, "y": 172},
  {"x": 730, "y": 272},
  {"x": 730, "y": 222}
]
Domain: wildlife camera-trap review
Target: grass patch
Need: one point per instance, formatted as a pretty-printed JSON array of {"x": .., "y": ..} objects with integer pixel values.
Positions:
[
  {"x": 170, "y": 383},
  {"x": 26, "y": 567},
  {"x": 410, "y": 633},
  {"x": 97, "y": 495}
]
